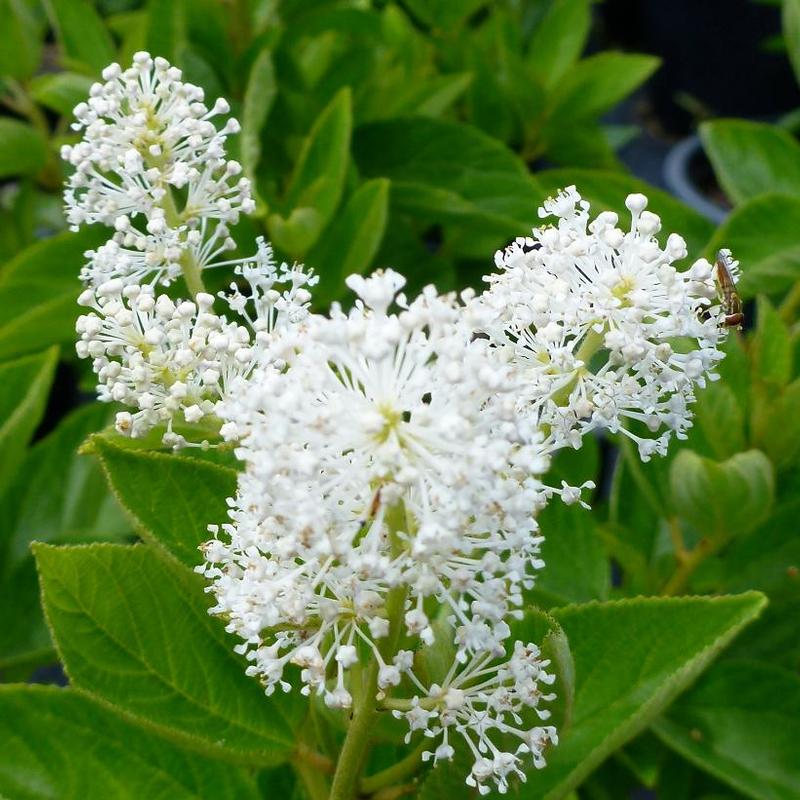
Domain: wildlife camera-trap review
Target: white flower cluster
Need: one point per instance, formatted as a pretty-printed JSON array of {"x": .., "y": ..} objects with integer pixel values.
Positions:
[
  {"x": 393, "y": 457},
  {"x": 385, "y": 464},
  {"x": 607, "y": 332},
  {"x": 393, "y": 453},
  {"x": 151, "y": 164}
]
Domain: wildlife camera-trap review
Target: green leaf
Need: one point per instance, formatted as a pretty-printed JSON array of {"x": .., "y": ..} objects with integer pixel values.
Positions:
[
  {"x": 791, "y": 32},
  {"x": 172, "y": 500},
  {"x": 450, "y": 173},
  {"x": 351, "y": 242},
  {"x": 719, "y": 421},
  {"x": 23, "y": 150},
  {"x": 776, "y": 425},
  {"x": 632, "y": 658},
  {"x": 596, "y": 84},
  {"x": 166, "y": 29},
  {"x": 762, "y": 234},
  {"x": 262, "y": 88},
  {"x": 751, "y": 158},
  {"x": 20, "y": 39},
  {"x": 431, "y": 98},
  {"x": 317, "y": 181},
  {"x": 606, "y": 191},
  {"x": 55, "y": 496},
  {"x": 24, "y": 388},
  {"x": 60, "y": 91},
  {"x": 38, "y": 292},
  {"x": 559, "y": 40},
  {"x": 771, "y": 352},
  {"x": 722, "y": 499},
  {"x": 443, "y": 14},
  {"x": 741, "y": 723},
  {"x": 132, "y": 628},
  {"x": 61, "y": 743},
  {"x": 85, "y": 41}
]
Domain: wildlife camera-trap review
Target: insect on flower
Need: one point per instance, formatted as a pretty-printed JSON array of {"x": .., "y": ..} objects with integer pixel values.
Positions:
[{"x": 731, "y": 302}]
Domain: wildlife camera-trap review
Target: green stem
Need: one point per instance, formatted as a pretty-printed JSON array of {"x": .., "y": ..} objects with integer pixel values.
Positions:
[
  {"x": 591, "y": 343},
  {"x": 189, "y": 266},
  {"x": 354, "y": 749},
  {"x": 790, "y": 304},
  {"x": 687, "y": 567},
  {"x": 359, "y": 734},
  {"x": 312, "y": 779}
]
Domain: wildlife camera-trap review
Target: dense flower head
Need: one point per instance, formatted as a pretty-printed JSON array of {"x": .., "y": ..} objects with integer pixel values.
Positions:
[
  {"x": 606, "y": 330},
  {"x": 175, "y": 360},
  {"x": 383, "y": 455},
  {"x": 151, "y": 164}
]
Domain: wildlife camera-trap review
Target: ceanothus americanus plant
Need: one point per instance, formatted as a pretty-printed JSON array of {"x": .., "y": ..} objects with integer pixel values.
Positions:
[{"x": 392, "y": 455}]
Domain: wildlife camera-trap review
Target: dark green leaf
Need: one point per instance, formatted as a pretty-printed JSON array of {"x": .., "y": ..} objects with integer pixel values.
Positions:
[
  {"x": 741, "y": 723},
  {"x": 24, "y": 388},
  {"x": 447, "y": 172},
  {"x": 133, "y": 629},
  {"x": 85, "y": 41},
  {"x": 56, "y": 496},
  {"x": 61, "y": 743},
  {"x": 751, "y": 158},
  {"x": 351, "y": 242},
  {"x": 631, "y": 658},
  {"x": 443, "y": 14},
  {"x": 38, "y": 292},
  {"x": 23, "y": 150},
  {"x": 171, "y": 499}
]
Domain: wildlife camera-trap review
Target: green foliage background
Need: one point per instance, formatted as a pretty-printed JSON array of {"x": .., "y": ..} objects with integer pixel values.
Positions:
[{"x": 405, "y": 134}]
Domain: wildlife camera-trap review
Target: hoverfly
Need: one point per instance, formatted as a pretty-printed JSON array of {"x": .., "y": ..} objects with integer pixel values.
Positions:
[{"x": 731, "y": 302}]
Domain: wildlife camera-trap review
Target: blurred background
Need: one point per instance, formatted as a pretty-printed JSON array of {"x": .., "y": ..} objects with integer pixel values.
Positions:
[{"x": 423, "y": 135}]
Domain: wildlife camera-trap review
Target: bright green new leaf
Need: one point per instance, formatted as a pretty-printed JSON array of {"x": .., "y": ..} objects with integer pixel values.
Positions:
[
  {"x": 751, "y": 158},
  {"x": 771, "y": 346},
  {"x": 60, "y": 91},
  {"x": 762, "y": 233},
  {"x": 352, "y": 240},
  {"x": 741, "y": 723},
  {"x": 596, "y": 84},
  {"x": 172, "y": 500},
  {"x": 449, "y": 173},
  {"x": 61, "y": 743},
  {"x": 23, "y": 149},
  {"x": 632, "y": 658},
  {"x": 262, "y": 88},
  {"x": 722, "y": 499},
  {"x": 38, "y": 290},
  {"x": 84, "y": 39},
  {"x": 20, "y": 39},
  {"x": 317, "y": 181},
  {"x": 559, "y": 40},
  {"x": 133, "y": 629},
  {"x": 24, "y": 388},
  {"x": 606, "y": 191}
]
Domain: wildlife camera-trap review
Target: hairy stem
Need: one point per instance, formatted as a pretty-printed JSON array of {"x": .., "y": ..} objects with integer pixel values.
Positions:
[
  {"x": 356, "y": 743},
  {"x": 688, "y": 565}
]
